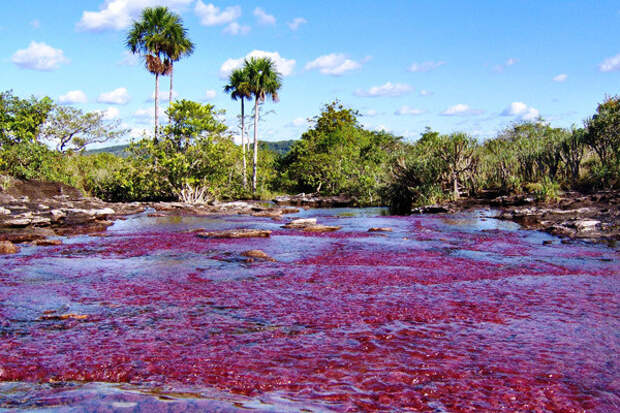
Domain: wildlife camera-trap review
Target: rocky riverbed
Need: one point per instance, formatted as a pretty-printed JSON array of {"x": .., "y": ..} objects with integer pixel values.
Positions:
[
  {"x": 574, "y": 216},
  {"x": 40, "y": 212}
]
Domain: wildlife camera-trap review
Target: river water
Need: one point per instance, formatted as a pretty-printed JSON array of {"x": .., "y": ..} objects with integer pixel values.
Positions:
[{"x": 453, "y": 313}]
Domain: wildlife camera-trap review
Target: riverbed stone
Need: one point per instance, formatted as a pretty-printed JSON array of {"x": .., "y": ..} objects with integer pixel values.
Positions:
[
  {"x": 259, "y": 254},
  {"x": 7, "y": 247},
  {"x": 235, "y": 233}
]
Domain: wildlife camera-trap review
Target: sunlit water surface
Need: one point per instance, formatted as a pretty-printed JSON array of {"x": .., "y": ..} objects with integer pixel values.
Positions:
[{"x": 455, "y": 313}]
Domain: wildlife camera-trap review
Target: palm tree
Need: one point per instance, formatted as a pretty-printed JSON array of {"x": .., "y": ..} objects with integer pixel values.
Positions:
[
  {"x": 149, "y": 37},
  {"x": 238, "y": 87},
  {"x": 177, "y": 46},
  {"x": 263, "y": 80}
]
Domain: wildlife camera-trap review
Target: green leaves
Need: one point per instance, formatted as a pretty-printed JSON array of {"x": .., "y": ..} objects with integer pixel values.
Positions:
[{"x": 21, "y": 119}]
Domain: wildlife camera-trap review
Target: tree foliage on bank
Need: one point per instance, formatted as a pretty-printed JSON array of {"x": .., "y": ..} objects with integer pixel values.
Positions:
[
  {"x": 527, "y": 156},
  {"x": 337, "y": 155}
]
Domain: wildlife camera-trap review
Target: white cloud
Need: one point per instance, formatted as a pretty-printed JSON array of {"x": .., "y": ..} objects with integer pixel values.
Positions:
[
  {"x": 263, "y": 17},
  {"x": 382, "y": 128},
  {"x": 110, "y": 113},
  {"x": 73, "y": 96},
  {"x": 147, "y": 115},
  {"x": 211, "y": 15},
  {"x": 210, "y": 94},
  {"x": 521, "y": 111},
  {"x": 425, "y": 92},
  {"x": 129, "y": 59},
  {"x": 235, "y": 29},
  {"x": 406, "y": 110},
  {"x": 388, "y": 89},
  {"x": 284, "y": 66},
  {"x": 370, "y": 113},
  {"x": 460, "y": 110},
  {"x": 164, "y": 95},
  {"x": 118, "y": 14},
  {"x": 296, "y": 22},
  {"x": 297, "y": 122},
  {"x": 560, "y": 78},
  {"x": 611, "y": 64},
  {"x": 118, "y": 96},
  {"x": 510, "y": 62},
  {"x": 334, "y": 64},
  {"x": 39, "y": 56},
  {"x": 426, "y": 66}
]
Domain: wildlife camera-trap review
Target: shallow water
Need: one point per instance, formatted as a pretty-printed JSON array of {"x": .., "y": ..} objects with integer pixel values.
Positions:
[{"x": 456, "y": 313}]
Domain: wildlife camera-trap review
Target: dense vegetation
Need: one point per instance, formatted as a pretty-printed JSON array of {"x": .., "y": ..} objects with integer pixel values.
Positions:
[{"x": 195, "y": 157}]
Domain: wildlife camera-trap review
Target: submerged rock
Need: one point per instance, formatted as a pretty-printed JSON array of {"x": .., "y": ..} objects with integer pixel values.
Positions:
[
  {"x": 47, "y": 242},
  {"x": 234, "y": 233},
  {"x": 321, "y": 228},
  {"x": 257, "y": 254},
  {"x": 380, "y": 229},
  {"x": 7, "y": 247}
]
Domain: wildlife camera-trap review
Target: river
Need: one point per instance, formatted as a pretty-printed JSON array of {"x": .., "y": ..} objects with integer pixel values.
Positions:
[{"x": 452, "y": 313}]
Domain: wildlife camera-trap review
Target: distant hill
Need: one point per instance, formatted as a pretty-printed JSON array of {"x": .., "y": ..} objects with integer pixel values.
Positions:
[
  {"x": 279, "y": 147},
  {"x": 118, "y": 150}
]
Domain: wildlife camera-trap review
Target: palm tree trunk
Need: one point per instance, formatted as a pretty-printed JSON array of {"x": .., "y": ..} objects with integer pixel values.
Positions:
[
  {"x": 255, "y": 143},
  {"x": 156, "y": 104},
  {"x": 170, "y": 95},
  {"x": 245, "y": 177}
]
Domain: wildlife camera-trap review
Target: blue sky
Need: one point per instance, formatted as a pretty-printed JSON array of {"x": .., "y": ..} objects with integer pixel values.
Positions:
[{"x": 451, "y": 65}]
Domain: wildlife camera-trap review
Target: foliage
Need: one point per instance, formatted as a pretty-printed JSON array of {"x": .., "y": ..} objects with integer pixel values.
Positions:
[
  {"x": 263, "y": 80},
  {"x": 21, "y": 119},
  {"x": 336, "y": 155},
  {"x": 602, "y": 134},
  {"x": 239, "y": 88},
  {"x": 191, "y": 121},
  {"x": 70, "y": 128},
  {"x": 155, "y": 36}
]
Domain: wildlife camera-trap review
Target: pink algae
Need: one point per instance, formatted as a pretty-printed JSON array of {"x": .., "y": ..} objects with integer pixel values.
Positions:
[{"x": 426, "y": 318}]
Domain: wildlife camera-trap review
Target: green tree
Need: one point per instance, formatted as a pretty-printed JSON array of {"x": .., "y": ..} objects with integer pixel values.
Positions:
[
  {"x": 239, "y": 88},
  {"x": 152, "y": 37},
  {"x": 70, "y": 128},
  {"x": 177, "y": 45},
  {"x": 337, "y": 156},
  {"x": 458, "y": 151},
  {"x": 602, "y": 134},
  {"x": 264, "y": 80},
  {"x": 21, "y": 119},
  {"x": 190, "y": 121}
]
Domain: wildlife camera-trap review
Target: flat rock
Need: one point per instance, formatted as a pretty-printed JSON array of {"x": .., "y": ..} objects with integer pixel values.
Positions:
[
  {"x": 7, "y": 247},
  {"x": 257, "y": 254},
  {"x": 321, "y": 228},
  {"x": 300, "y": 223},
  {"x": 47, "y": 242},
  {"x": 235, "y": 233},
  {"x": 380, "y": 229},
  {"x": 431, "y": 209}
]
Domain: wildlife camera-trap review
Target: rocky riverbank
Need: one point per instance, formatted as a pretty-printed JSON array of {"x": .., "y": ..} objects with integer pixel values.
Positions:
[
  {"x": 574, "y": 216},
  {"x": 37, "y": 212}
]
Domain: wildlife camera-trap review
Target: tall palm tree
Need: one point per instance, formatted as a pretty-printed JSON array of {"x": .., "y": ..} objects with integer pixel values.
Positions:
[
  {"x": 239, "y": 88},
  {"x": 149, "y": 37},
  {"x": 263, "y": 80},
  {"x": 177, "y": 46}
]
